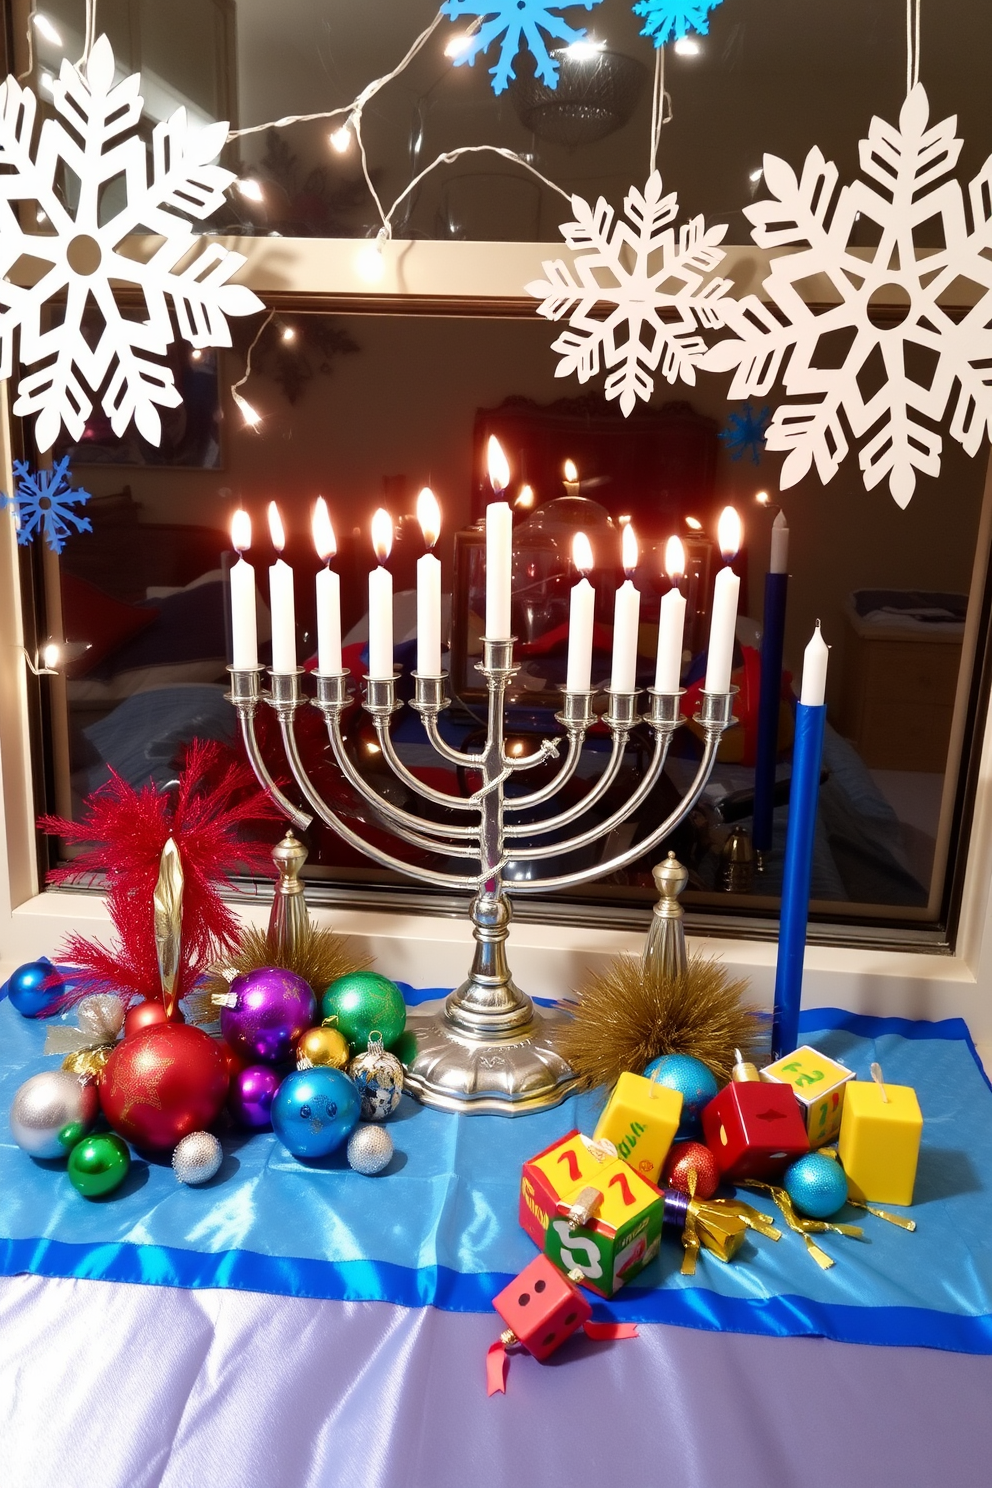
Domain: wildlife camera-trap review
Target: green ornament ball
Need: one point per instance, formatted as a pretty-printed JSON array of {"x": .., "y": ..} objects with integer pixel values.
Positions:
[
  {"x": 363, "y": 1001},
  {"x": 99, "y": 1164}
]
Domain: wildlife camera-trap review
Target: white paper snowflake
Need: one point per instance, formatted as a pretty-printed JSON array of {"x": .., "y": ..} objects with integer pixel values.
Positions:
[
  {"x": 638, "y": 295},
  {"x": 516, "y": 24},
  {"x": 891, "y": 375},
  {"x": 93, "y": 142}
]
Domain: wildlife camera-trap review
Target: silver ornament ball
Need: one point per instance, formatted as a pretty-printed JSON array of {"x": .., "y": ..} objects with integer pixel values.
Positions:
[
  {"x": 102, "y": 1015},
  {"x": 52, "y": 1112},
  {"x": 379, "y": 1077},
  {"x": 370, "y": 1149},
  {"x": 197, "y": 1158}
]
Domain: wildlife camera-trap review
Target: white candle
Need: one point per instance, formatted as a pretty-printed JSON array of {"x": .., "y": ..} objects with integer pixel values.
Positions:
[
  {"x": 671, "y": 623},
  {"x": 499, "y": 548},
  {"x": 381, "y": 600},
  {"x": 328, "y": 594},
  {"x": 779, "y": 562},
  {"x": 281, "y": 600},
  {"x": 723, "y": 621},
  {"x": 244, "y": 629},
  {"x": 626, "y": 618},
  {"x": 429, "y": 588},
  {"x": 815, "y": 659},
  {"x": 578, "y": 675}
]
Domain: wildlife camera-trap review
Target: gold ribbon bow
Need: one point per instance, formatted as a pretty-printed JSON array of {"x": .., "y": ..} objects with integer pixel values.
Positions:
[
  {"x": 719, "y": 1226},
  {"x": 806, "y": 1227}
]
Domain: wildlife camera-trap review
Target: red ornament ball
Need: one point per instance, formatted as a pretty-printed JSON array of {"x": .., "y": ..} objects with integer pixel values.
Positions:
[
  {"x": 147, "y": 1014},
  {"x": 163, "y": 1084},
  {"x": 683, "y": 1158}
]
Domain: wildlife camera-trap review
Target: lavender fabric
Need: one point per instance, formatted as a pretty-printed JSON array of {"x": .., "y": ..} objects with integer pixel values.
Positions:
[{"x": 106, "y": 1385}]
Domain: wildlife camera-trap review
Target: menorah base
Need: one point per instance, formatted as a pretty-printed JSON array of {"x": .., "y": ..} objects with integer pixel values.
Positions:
[{"x": 454, "y": 1071}]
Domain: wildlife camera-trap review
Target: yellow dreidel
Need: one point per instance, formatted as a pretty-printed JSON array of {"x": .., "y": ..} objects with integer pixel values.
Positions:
[
  {"x": 641, "y": 1119},
  {"x": 880, "y": 1140}
]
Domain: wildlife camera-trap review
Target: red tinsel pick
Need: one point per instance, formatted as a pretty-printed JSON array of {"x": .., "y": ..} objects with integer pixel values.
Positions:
[{"x": 122, "y": 835}]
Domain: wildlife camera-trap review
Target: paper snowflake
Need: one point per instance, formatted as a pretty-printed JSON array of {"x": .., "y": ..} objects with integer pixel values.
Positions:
[
  {"x": 44, "y": 501},
  {"x": 638, "y": 296},
  {"x": 745, "y": 432},
  {"x": 520, "y": 24},
  {"x": 896, "y": 368},
  {"x": 96, "y": 145},
  {"x": 668, "y": 21}
]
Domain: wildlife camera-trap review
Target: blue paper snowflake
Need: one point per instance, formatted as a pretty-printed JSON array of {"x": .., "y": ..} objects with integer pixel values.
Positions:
[
  {"x": 746, "y": 431},
  {"x": 44, "y": 501},
  {"x": 520, "y": 24},
  {"x": 670, "y": 20}
]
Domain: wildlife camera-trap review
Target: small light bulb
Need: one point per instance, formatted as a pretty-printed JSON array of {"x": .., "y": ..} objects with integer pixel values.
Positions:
[
  {"x": 458, "y": 45},
  {"x": 196, "y": 355},
  {"x": 584, "y": 50},
  {"x": 688, "y": 46},
  {"x": 250, "y": 415},
  {"x": 762, "y": 498},
  {"x": 369, "y": 262},
  {"x": 755, "y": 176},
  {"x": 50, "y": 656},
  {"x": 250, "y": 189},
  {"x": 288, "y": 333},
  {"x": 341, "y": 140},
  {"x": 45, "y": 29}
]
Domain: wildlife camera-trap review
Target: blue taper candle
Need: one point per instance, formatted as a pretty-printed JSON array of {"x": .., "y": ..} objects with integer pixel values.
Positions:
[
  {"x": 772, "y": 643},
  {"x": 811, "y": 717}
]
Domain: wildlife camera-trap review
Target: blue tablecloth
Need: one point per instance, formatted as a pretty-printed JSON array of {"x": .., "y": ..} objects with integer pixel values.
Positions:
[{"x": 440, "y": 1226}]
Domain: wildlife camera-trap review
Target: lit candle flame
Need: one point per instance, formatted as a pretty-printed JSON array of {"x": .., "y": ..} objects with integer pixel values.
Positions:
[
  {"x": 429, "y": 516},
  {"x": 240, "y": 531},
  {"x": 571, "y": 472},
  {"x": 499, "y": 468},
  {"x": 694, "y": 524},
  {"x": 582, "y": 554},
  {"x": 674, "y": 559},
  {"x": 323, "y": 532},
  {"x": 729, "y": 533},
  {"x": 276, "y": 530},
  {"x": 629, "y": 551},
  {"x": 382, "y": 534},
  {"x": 525, "y": 500}
]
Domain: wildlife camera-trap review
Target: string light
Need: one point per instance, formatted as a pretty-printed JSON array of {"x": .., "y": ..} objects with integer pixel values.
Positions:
[
  {"x": 288, "y": 333},
  {"x": 250, "y": 189},
  {"x": 341, "y": 139},
  {"x": 369, "y": 262},
  {"x": 251, "y": 415},
  {"x": 46, "y": 30},
  {"x": 458, "y": 44},
  {"x": 585, "y": 50},
  {"x": 688, "y": 46}
]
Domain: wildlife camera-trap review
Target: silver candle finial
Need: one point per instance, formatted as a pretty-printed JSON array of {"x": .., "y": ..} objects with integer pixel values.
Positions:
[{"x": 664, "y": 952}]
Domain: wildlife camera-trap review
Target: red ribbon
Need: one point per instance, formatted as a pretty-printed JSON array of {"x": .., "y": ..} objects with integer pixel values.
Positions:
[
  {"x": 496, "y": 1365},
  {"x": 600, "y": 1331}
]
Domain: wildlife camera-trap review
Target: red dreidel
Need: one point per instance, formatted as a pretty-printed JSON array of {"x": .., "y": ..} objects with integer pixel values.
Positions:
[
  {"x": 541, "y": 1308},
  {"x": 753, "y": 1129}
]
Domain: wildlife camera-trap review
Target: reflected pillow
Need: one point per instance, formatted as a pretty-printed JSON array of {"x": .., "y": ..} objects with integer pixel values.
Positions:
[{"x": 102, "y": 622}]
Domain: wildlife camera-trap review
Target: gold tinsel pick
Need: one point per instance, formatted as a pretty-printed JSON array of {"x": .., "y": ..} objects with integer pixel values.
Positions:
[
  {"x": 627, "y": 1016},
  {"x": 320, "y": 958},
  {"x": 719, "y": 1226},
  {"x": 807, "y": 1227}
]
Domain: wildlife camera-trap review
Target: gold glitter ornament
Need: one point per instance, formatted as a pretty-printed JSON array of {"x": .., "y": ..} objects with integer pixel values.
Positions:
[{"x": 322, "y": 1045}]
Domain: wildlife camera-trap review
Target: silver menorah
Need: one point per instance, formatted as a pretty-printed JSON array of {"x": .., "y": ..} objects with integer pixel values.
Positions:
[{"x": 490, "y": 1050}]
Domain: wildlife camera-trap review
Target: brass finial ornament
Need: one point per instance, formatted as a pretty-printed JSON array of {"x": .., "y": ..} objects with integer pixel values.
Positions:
[
  {"x": 168, "y": 908},
  {"x": 665, "y": 948},
  {"x": 288, "y": 919}
]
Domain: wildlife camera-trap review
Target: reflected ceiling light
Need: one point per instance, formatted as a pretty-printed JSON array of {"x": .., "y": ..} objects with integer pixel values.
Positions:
[
  {"x": 585, "y": 50},
  {"x": 40, "y": 216},
  {"x": 45, "y": 29},
  {"x": 688, "y": 46},
  {"x": 341, "y": 140},
  {"x": 46, "y": 83},
  {"x": 250, "y": 189}
]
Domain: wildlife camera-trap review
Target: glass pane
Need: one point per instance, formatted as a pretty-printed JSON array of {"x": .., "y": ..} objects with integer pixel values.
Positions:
[
  {"x": 777, "y": 78},
  {"x": 365, "y": 410}
]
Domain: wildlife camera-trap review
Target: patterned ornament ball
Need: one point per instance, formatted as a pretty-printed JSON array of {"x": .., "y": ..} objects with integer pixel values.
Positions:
[
  {"x": 379, "y": 1077},
  {"x": 691, "y": 1157},
  {"x": 270, "y": 1010},
  {"x": 253, "y": 1089},
  {"x": 98, "y": 1164},
  {"x": 692, "y": 1079},
  {"x": 164, "y": 1084},
  {"x": 148, "y": 1014},
  {"x": 315, "y": 1110},
  {"x": 363, "y": 1001},
  {"x": 370, "y": 1149},
  {"x": 817, "y": 1185},
  {"x": 51, "y": 1112},
  {"x": 34, "y": 989},
  {"x": 323, "y": 1046},
  {"x": 197, "y": 1158},
  {"x": 102, "y": 1015}
]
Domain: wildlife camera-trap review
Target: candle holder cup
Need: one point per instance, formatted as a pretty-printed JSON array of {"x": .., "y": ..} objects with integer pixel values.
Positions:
[{"x": 489, "y": 1050}]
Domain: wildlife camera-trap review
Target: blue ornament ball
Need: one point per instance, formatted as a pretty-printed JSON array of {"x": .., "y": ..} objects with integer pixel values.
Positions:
[
  {"x": 35, "y": 988},
  {"x": 315, "y": 1110},
  {"x": 694, "y": 1081},
  {"x": 816, "y": 1185}
]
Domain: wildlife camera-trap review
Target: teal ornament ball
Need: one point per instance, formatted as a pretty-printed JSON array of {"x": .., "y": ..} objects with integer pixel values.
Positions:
[
  {"x": 99, "y": 1164},
  {"x": 694, "y": 1081},
  {"x": 816, "y": 1185},
  {"x": 315, "y": 1110},
  {"x": 35, "y": 988},
  {"x": 364, "y": 1001}
]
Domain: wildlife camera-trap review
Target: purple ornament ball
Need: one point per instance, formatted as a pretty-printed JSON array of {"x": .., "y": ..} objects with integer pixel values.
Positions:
[
  {"x": 271, "y": 1009},
  {"x": 252, "y": 1092}
]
